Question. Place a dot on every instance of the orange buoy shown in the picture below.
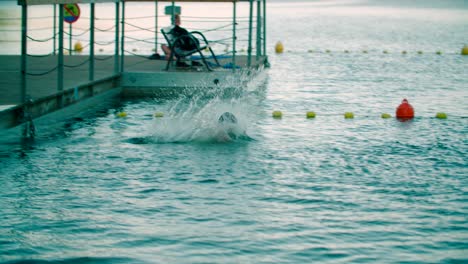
(404, 110)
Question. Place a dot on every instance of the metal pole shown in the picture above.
(70, 40)
(122, 38)
(55, 28)
(24, 41)
(173, 13)
(234, 36)
(264, 28)
(116, 52)
(249, 49)
(156, 27)
(91, 42)
(259, 31)
(60, 56)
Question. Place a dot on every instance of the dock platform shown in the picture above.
(141, 77)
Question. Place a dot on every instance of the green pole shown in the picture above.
(24, 42)
(156, 26)
(70, 40)
(116, 52)
(60, 56)
(122, 61)
(91, 41)
(173, 13)
(249, 49)
(234, 36)
(264, 28)
(55, 28)
(259, 31)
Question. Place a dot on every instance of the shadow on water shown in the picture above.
(49, 130)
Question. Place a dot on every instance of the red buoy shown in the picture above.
(405, 110)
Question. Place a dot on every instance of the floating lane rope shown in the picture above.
(385, 116)
(277, 114)
(441, 115)
(159, 114)
(464, 50)
(349, 115)
(279, 48)
(310, 114)
(121, 114)
(401, 114)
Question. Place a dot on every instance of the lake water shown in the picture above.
(142, 189)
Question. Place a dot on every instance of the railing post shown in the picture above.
(249, 49)
(24, 42)
(91, 42)
(156, 11)
(122, 61)
(55, 28)
(117, 29)
(264, 28)
(234, 36)
(60, 57)
(259, 31)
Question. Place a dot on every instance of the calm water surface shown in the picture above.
(326, 190)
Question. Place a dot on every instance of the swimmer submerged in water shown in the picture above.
(229, 127)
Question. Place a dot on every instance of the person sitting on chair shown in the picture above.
(186, 42)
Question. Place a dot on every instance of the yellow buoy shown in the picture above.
(348, 115)
(441, 115)
(78, 47)
(158, 114)
(385, 115)
(464, 50)
(279, 48)
(277, 114)
(121, 114)
(310, 114)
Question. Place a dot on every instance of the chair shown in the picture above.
(175, 44)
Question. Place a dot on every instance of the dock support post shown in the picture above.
(234, 36)
(60, 58)
(24, 42)
(123, 38)
(91, 42)
(249, 49)
(117, 29)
